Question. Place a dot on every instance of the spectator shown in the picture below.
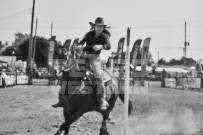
(154, 70)
(3, 77)
(163, 78)
(176, 78)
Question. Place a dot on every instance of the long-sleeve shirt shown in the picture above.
(91, 40)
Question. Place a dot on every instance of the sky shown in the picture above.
(162, 20)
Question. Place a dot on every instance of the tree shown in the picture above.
(173, 62)
(41, 51)
(183, 61)
(189, 61)
(1, 45)
(8, 51)
(162, 62)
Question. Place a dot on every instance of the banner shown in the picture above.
(191, 83)
(145, 50)
(51, 50)
(134, 52)
(75, 42)
(67, 43)
(13, 79)
(170, 82)
(40, 81)
(145, 55)
(22, 79)
(8, 80)
(120, 49)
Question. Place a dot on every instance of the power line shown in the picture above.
(15, 14)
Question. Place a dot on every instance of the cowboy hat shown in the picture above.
(98, 21)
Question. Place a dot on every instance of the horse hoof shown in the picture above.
(58, 132)
(107, 133)
(110, 121)
(103, 132)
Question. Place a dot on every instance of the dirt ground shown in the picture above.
(26, 110)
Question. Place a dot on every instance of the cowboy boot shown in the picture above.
(101, 95)
(59, 104)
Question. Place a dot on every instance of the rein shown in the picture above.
(70, 67)
(75, 52)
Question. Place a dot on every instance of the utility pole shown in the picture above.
(30, 47)
(158, 58)
(35, 40)
(51, 28)
(185, 43)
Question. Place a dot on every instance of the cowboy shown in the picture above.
(96, 39)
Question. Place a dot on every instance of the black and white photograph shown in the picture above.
(101, 67)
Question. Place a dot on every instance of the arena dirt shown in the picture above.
(26, 110)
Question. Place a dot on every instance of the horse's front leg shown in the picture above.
(61, 129)
(64, 127)
(67, 130)
(103, 129)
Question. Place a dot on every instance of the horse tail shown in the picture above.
(121, 89)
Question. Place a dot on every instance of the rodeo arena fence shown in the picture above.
(187, 83)
(184, 83)
(11, 80)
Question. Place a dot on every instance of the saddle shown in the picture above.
(105, 76)
(89, 76)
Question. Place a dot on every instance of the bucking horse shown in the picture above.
(81, 95)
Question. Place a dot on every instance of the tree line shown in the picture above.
(42, 46)
(41, 53)
(182, 61)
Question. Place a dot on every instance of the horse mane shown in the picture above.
(76, 69)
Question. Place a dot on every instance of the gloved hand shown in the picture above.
(98, 47)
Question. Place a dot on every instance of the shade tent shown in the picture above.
(171, 70)
(160, 69)
(8, 59)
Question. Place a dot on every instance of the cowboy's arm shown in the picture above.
(106, 45)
